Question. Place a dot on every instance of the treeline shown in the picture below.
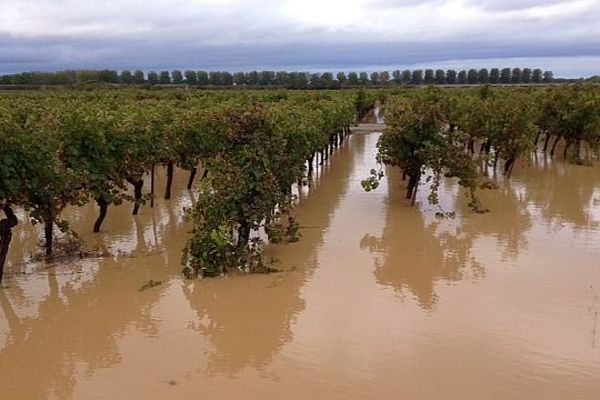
(292, 80)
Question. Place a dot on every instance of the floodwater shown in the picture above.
(378, 300)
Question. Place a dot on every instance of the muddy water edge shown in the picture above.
(377, 300)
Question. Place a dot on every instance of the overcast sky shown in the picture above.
(562, 35)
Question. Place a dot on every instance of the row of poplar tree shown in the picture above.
(296, 80)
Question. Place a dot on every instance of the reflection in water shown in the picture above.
(62, 319)
(563, 193)
(377, 300)
(246, 321)
(416, 250)
(72, 328)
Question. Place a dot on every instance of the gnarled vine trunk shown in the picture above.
(138, 185)
(537, 138)
(566, 150)
(103, 204)
(509, 165)
(243, 235)
(548, 136)
(49, 235)
(6, 226)
(554, 146)
(193, 172)
(413, 183)
(169, 180)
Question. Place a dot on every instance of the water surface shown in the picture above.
(378, 299)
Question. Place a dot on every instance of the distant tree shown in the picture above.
(164, 77)
(548, 76)
(68, 77)
(315, 81)
(303, 79)
(126, 77)
(342, 78)
(226, 78)
(43, 78)
(516, 75)
(406, 76)
(327, 79)
(267, 78)
(483, 76)
(526, 76)
(396, 74)
(191, 77)
(108, 76)
(282, 78)
(202, 78)
(440, 76)
(353, 78)
(152, 78)
(417, 77)
(505, 76)
(375, 80)
(363, 78)
(384, 77)
(252, 78)
(472, 76)
(536, 76)
(451, 76)
(18, 79)
(177, 77)
(22, 78)
(32, 78)
(461, 78)
(298, 80)
(138, 77)
(87, 76)
(40, 78)
(429, 77)
(239, 78)
(494, 75)
(215, 78)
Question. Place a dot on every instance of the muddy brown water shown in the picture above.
(378, 299)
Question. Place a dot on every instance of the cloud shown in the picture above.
(511, 5)
(246, 34)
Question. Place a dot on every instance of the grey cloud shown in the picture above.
(512, 5)
(250, 34)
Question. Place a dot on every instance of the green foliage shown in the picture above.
(67, 148)
(419, 141)
(573, 113)
(259, 152)
(372, 182)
